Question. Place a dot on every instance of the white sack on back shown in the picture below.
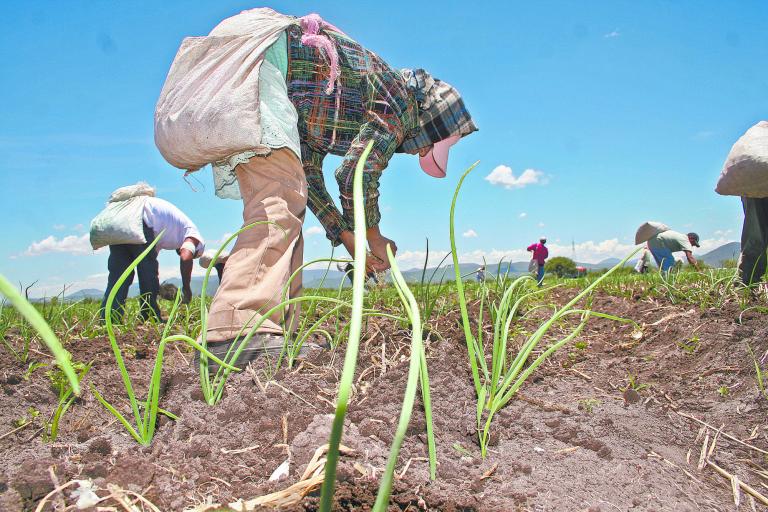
(121, 222)
(209, 106)
(648, 230)
(125, 193)
(207, 257)
(745, 172)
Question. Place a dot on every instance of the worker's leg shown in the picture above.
(540, 275)
(148, 271)
(220, 270)
(664, 258)
(754, 240)
(119, 260)
(294, 310)
(273, 188)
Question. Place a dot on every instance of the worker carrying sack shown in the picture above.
(648, 230)
(745, 172)
(122, 221)
(209, 106)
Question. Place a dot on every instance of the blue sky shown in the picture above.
(623, 112)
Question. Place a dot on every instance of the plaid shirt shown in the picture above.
(374, 103)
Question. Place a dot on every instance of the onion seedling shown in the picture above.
(144, 428)
(213, 388)
(496, 384)
(426, 298)
(66, 397)
(355, 327)
(34, 318)
(417, 371)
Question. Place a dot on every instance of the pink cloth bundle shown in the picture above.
(311, 24)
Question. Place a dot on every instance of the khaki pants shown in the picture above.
(273, 188)
(754, 240)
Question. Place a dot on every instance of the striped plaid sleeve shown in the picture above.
(318, 199)
(385, 143)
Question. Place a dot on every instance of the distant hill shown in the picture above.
(716, 257)
(87, 293)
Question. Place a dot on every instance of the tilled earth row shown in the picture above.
(578, 437)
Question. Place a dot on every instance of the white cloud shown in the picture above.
(70, 244)
(723, 232)
(612, 34)
(523, 215)
(59, 227)
(470, 233)
(314, 230)
(503, 176)
(540, 224)
(409, 260)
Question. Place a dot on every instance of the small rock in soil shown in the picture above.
(631, 396)
(97, 470)
(477, 484)
(33, 481)
(100, 445)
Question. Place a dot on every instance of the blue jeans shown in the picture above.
(664, 258)
(120, 258)
(540, 274)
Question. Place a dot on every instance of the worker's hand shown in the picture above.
(372, 262)
(378, 245)
(186, 296)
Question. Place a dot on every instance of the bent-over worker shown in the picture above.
(323, 93)
(181, 235)
(663, 245)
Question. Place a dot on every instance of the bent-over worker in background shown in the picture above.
(664, 244)
(181, 235)
(644, 262)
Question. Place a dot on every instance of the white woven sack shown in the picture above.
(125, 193)
(209, 106)
(207, 257)
(648, 230)
(745, 172)
(121, 222)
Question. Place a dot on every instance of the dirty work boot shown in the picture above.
(260, 344)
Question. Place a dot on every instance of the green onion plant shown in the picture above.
(353, 342)
(65, 394)
(143, 429)
(496, 383)
(34, 318)
(417, 371)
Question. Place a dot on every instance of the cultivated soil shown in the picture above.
(573, 439)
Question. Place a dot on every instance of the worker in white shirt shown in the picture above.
(181, 235)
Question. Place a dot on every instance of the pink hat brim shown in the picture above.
(435, 162)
